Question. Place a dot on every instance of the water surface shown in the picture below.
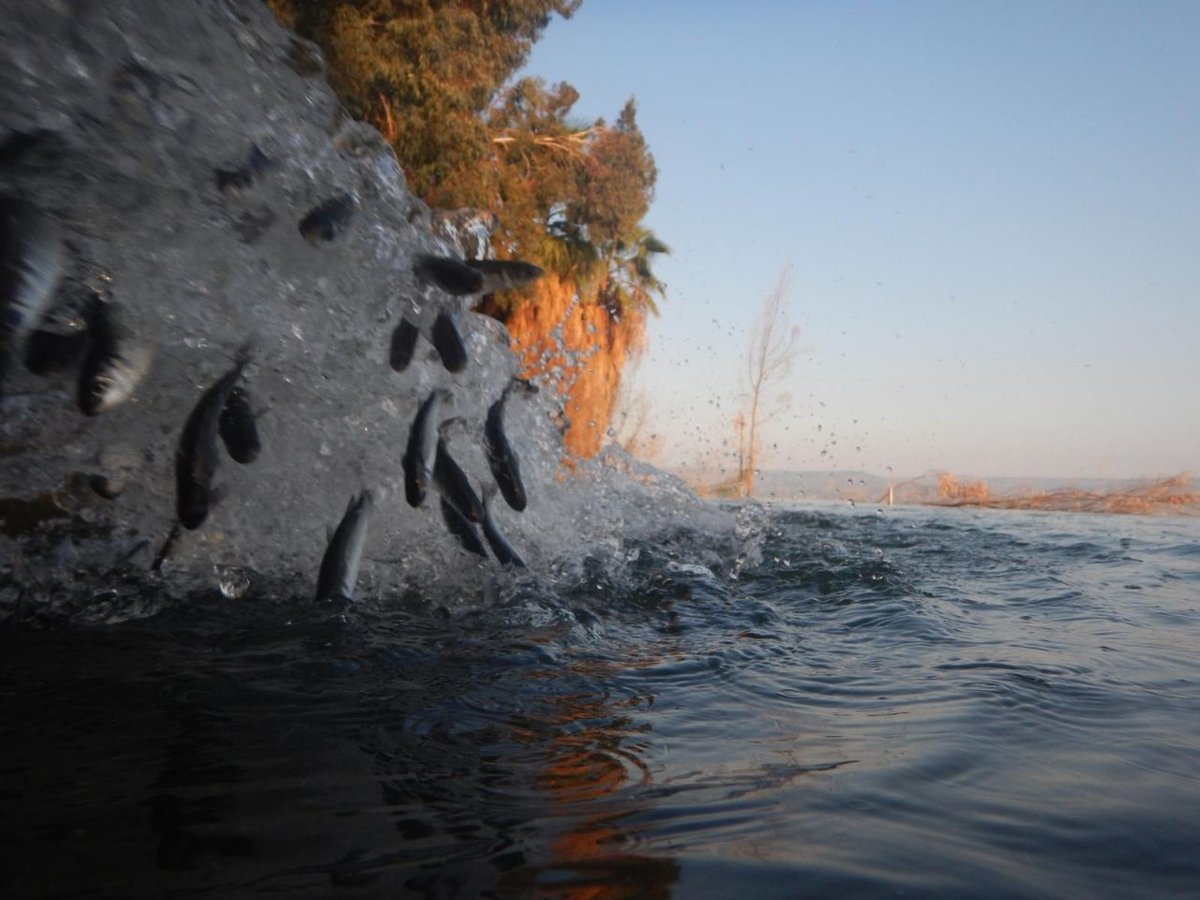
(932, 703)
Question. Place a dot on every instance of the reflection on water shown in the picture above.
(591, 747)
(918, 702)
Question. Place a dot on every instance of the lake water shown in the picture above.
(891, 702)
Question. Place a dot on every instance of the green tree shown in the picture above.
(570, 195)
(430, 75)
(629, 279)
(423, 71)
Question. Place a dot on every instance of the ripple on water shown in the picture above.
(969, 718)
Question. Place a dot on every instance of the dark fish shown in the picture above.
(339, 565)
(196, 457)
(421, 452)
(116, 360)
(501, 549)
(505, 274)
(232, 181)
(459, 526)
(501, 457)
(238, 429)
(449, 343)
(48, 352)
(329, 219)
(31, 264)
(452, 482)
(404, 342)
(450, 275)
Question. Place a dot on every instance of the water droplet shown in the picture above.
(232, 581)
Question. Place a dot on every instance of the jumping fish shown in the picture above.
(459, 526)
(328, 220)
(501, 457)
(404, 342)
(196, 457)
(31, 264)
(447, 340)
(450, 275)
(339, 565)
(232, 181)
(452, 482)
(116, 360)
(505, 274)
(237, 427)
(421, 452)
(501, 549)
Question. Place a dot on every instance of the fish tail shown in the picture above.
(246, 351)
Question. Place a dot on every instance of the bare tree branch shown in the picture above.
(768, 362)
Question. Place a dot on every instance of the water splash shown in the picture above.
(142, 133)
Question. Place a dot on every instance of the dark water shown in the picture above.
(918, 702)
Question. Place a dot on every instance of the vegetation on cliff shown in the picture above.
(433, 77)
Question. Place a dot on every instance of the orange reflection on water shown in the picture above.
(592, 755)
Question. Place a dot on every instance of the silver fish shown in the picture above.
(501, 549)
(115, 363)
(404, 342)
(459, 526)
(339, 565)
(421, 452)
(505, 274)
(502, 458)
(31, 265)
(196, 456)
(451, 275)
(452, 482)
(448, 341)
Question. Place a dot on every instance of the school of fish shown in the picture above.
(57, 312)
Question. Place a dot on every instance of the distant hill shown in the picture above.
(863, 487)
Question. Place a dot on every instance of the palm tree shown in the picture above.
(630, 282)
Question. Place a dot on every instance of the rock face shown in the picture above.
(203, 177)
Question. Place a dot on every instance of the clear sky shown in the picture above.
(992, 210)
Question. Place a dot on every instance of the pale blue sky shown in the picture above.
(992, 209)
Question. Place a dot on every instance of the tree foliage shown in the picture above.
(432, 76)
(423, 70)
